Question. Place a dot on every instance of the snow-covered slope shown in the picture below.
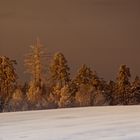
(92, 123)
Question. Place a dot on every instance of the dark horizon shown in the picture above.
(100, 33)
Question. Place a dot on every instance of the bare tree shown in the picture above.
(35, 66)
(34, 61)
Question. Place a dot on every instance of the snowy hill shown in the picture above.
(92, 123)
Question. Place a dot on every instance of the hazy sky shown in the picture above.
(100, 33)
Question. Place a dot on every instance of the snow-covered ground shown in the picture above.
(92, 123)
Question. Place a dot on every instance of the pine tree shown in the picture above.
(84, 81)
(35, 97)
(101, 92)
(84, 95)
(60, 78)
(84, 76)
(136, 83)
(91, 88)
(111, 92)
(59, 70)
(122, 91)
(135, 91)
(35, 66)
(17, 102)
(67, 98)
(8, 78)
(34, 61)
(54, 96)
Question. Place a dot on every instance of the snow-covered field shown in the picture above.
(92, 123)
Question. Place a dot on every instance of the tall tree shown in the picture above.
(36, 97)
(8, 78)
(84, 81)
(122, 91)
(91, 88)
(34, 61)
(60, 80)
(59, 70)
(101, 91)
(35, 66)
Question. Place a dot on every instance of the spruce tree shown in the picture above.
(59, 70)
(111, 92)
(84, 95)
(8, 78)
(101, 91)
(60, 79)
(135, 91)
(122, 91)
(17, 101)
(67, 99)
(54, 96)
(136, 83)
(84, 76)
(84, 80)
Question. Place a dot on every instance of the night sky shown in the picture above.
(100, 33)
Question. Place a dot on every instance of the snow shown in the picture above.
(89, 123)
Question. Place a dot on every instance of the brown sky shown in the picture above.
(101, 33)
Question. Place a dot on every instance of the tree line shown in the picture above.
(51, 85)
